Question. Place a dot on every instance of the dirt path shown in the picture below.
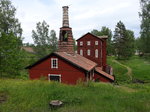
(129, 73)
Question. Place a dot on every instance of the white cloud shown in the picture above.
(84, 15)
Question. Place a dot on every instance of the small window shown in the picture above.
(81, 52)
(88, 43)
(88, 52)
(54, 77)
(81, 43)
(96, 53)
(96, 42)
(54, 63)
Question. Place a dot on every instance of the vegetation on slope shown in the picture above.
(34, 96)
(139, 69)
(120, 72)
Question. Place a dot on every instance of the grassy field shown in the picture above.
(119, 71)
(18, 95)
(140, 69)
(34, 96)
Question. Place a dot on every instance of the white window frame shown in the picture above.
(96, 42)
(54, 75)
(88, 52)
(96, 53)
(52, 66)
(88, 42)
(81, 43)
(81, 52)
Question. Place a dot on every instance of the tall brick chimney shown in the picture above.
(65, 16)
(66, 42)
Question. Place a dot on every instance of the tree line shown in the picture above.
(143, 42)
(122, 43)
(13, 59)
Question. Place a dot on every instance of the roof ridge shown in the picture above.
(78, 60)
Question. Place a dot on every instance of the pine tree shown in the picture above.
(123, 41)
(95, 32)
(130, 43)
(145, 25)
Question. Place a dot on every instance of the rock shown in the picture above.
(55, 104)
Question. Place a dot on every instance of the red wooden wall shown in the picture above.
(69, 73)
(101, 60)
(100, 78)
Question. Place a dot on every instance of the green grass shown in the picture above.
(118, 71)
(140, 69)
(34, 96)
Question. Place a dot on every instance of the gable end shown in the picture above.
(91, 35)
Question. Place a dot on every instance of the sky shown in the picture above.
(84, 15)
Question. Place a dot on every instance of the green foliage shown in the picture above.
(45, 43)
(27, 96)
(28, 44)
(24, 74)
(95, 32)
(10, 41)
(138, 44)
(145, 26)
(119, 71)
(131, 43)
(82, 83)
(140, 68)
(8, 22)
(123, 41)
(53, 41)
(11, 61)
(41, 39)
(105, 31)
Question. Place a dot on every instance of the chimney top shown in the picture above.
(65, 16)
(65, 7)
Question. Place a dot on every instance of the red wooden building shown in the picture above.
(94, 48)
(66, 66)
